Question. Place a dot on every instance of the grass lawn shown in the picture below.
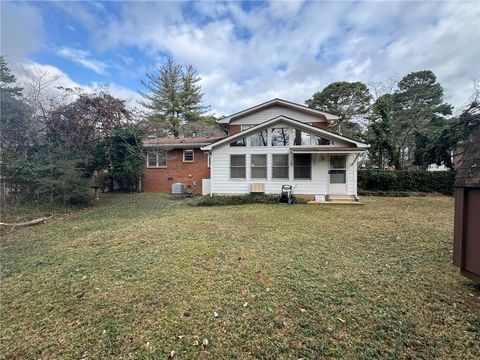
(143, 275)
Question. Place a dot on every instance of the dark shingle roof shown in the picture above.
(198, 140)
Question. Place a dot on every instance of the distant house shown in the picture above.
(268, 145)
(466, 246)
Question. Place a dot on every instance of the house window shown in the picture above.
(338, 169)
(188, 155)
(237, 167)
(301, 138)
(259, 166)
(239, 142)
(322, 141)
(280, 136)
(156, 158)
(302, 166)
(280, 166)
(259, 139)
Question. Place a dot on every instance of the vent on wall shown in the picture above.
(257, 188)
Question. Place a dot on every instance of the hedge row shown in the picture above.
(417, 181)
(219, 200)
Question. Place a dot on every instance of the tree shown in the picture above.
(418, 109)
(173, 98)
(127, 159)
(379, 133)
(442, 144)
(7, 79)
(349, 100)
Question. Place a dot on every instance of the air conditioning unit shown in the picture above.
(257, 188)
(178, 189)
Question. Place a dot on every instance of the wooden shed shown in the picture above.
(466, 243)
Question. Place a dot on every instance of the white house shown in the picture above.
(280, 142)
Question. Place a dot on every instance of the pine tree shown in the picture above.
(173, 98)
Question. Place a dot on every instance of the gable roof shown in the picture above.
(297, 124)
(181, 142)
(278, 102)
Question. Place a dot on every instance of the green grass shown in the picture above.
(332, 282)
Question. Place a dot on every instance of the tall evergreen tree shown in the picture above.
(379, 133)
(173, 98)
(349, 100)
(418, 109)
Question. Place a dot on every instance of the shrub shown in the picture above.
(407, 181)
(390, 193)
(222, 200)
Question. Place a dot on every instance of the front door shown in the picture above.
(338, 175)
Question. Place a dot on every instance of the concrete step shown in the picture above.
(342, 198)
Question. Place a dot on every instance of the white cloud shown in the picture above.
(83, 58)
(21, 30)
(285, 49)
(30, 69)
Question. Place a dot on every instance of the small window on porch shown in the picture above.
(259, 166)
(302, 166)
(322, 141)
(280, 137)
(237, 167)
(259, 139)
(280, 166)
(301, 138)
(239, 142)
(338, 169)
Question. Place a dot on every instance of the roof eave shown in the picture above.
(290, 104)
(287, 119)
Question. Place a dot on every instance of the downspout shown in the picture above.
(210, 154)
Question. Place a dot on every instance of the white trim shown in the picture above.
(177, 145)
(244, 166)
(276, 101)
(266, 167)
(193, 156)
(294, 123)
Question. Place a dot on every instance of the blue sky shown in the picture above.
(246, 52)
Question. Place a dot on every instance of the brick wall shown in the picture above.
(161, 179)
(233, 129)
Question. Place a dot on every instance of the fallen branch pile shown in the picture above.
(28, 223)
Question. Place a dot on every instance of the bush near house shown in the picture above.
(407, 181)
(219, 200)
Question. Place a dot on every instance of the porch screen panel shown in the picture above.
(302, 166)
(338, 169)
(259, 166)
(237, 166)
(280, 166)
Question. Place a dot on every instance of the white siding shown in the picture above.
(274, 111)
(222, 184)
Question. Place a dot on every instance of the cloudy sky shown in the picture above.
(247, 52)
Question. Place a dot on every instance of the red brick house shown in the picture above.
(176, 160)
